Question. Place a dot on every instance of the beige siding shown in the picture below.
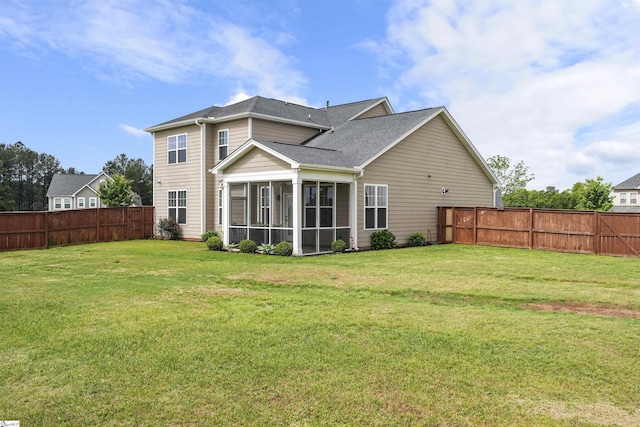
(257, 161)
(264, 130)
(376, 111)
(416, 170)
(179, 176)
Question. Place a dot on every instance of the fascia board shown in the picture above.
(310, 166)
(397, 141)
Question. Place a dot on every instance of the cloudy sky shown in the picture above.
(553, 83)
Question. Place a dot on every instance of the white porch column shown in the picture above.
(226, 205)
(353, 211)
(297, 214)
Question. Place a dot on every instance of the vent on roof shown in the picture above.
(327, 105)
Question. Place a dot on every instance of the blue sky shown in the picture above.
(553, 83)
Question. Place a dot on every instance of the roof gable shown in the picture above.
(69, 184)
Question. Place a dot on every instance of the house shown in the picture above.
(78, 191)
(270, 170)
(75, 191)
(626, 195)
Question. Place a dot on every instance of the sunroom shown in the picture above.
(269, 197)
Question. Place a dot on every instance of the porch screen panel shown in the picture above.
(324, 242)
(238, 206)
(310, 203)
(326, 205)
(309, 241)
(342, 205)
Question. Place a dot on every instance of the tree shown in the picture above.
(511, 177)
(116, 192)
(137, 172)
(595, 195)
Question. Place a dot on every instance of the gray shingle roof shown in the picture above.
(626, 209)
(310, 155)
(321, 117)
(630, 184)
(67, 185)
(361, 139)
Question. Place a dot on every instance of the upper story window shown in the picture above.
(633, 198)
(375, 206)
(623, 198)
(177, 148)
(223, 144)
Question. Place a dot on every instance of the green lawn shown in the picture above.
(168, 333)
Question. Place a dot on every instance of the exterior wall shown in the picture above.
(416, 170)
(86, 193)
(281, 132)
(376, 111)
(179, 176)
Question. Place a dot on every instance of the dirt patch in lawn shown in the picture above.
(600, 413)
(594, 310)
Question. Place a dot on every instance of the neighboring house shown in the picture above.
(626, 195)
(270, 171)
(77, 191)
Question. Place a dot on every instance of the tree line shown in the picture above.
(592, 194)
(25, 176)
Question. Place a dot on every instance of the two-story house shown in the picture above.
(271, 170)
(626, 195)
(75, 191)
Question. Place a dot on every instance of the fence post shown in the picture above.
(530, 228)
(596, 233)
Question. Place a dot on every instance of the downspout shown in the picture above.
(203, 179)
(354, 210)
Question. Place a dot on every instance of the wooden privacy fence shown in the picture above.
(589, 232)
(32, 230)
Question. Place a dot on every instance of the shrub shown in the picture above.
(168, 228)
(265, 249)
(283, 248)
(214, 243)
(210, 233)
(247, 246)
(338, 246)
(417, 239)
(383, 239)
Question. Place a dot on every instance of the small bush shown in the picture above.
(265, 249)
(338, 246)
(214, 243)
(168, 228)
(247, 246)
(417, 239)
(283, 248)
(383, 239)
(211, 233)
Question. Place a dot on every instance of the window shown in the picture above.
(177, 202)
(223, 144)
(310, 203)
(220, 207)
(264, 204)
(177, 148)
(623, 198)
(93, 202)
(375, 206)
(633, 198)
(81, 202)
(57, 203)
(326, 205)
(67, 202)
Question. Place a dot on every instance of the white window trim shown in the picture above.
(64, 203)
(186, 144)
(220, 206)
(226, 144)
(57, 203)
(186, 211)
(93, 202)
(376, 207)
(81, 202)
(633, 198)
(623, 200)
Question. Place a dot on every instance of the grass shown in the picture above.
(161, 332)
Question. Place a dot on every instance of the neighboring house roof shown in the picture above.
(632, 183)
(269, 108)
(69, 184)
(626, 209)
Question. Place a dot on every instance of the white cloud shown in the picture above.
(133, 130)
(523, 77)
(169, 41)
